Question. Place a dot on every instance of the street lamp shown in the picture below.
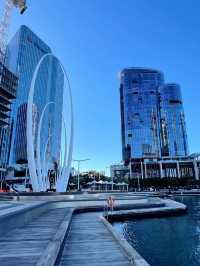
(78, 163)
(108, 167)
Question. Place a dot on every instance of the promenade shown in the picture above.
(66, 230)
(26, 244)
(90, 243)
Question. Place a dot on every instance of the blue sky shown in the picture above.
(95, 39)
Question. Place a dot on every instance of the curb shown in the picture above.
(50, 255)
(134, 257)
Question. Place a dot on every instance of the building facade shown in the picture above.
(119, 171)
(152, 116)
(24, 53)
(172, 122)
(8, 84)
(153, 128)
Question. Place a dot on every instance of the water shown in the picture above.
(173, 241)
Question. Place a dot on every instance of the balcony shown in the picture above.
(8, 83)
(3, 123)
(4, 107)
(3, 115)
(4, 100)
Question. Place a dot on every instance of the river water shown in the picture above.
(173, 241)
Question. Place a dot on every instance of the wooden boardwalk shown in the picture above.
(24, 246)
(90, 243)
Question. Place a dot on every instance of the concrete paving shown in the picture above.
(83, 196)
(170, 208)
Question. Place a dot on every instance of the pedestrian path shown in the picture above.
(90, 243)
(24, 246)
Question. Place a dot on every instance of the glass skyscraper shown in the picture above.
(152, 116)
(172, 121)
(24, 52)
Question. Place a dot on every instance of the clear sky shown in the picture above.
(95, 39)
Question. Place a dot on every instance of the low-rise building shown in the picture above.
(119, 171)
(166, 167)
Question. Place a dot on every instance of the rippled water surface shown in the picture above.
(173, 241)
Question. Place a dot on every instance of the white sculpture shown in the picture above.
(38, 179)
(44, 169)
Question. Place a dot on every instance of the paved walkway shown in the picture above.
(24, 246)
(90, 243)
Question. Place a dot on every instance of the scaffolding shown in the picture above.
(5, 23)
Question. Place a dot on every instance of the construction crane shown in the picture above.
(5, 22)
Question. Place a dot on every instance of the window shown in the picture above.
(175, 101)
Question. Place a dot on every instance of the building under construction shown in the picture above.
(154, 137)
(8, 83)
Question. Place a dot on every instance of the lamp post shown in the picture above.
(108, 167)
(138, 177)
(78, 163)
(130, 169)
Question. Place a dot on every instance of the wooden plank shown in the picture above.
(25, 245)
(90, 243)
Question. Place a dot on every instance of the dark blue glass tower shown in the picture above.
(173, 129)
(152, 116)
(24, 52)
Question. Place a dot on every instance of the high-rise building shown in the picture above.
(172, 121)
(152, 116)
(24, 52)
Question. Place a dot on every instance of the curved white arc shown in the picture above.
(62, 169)
(65, 176)
(65, 155)
(39, 168)
(45, 181)
(29, 133)
(70, 144)
(44, 171)
(35, 179)
(72, 132)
